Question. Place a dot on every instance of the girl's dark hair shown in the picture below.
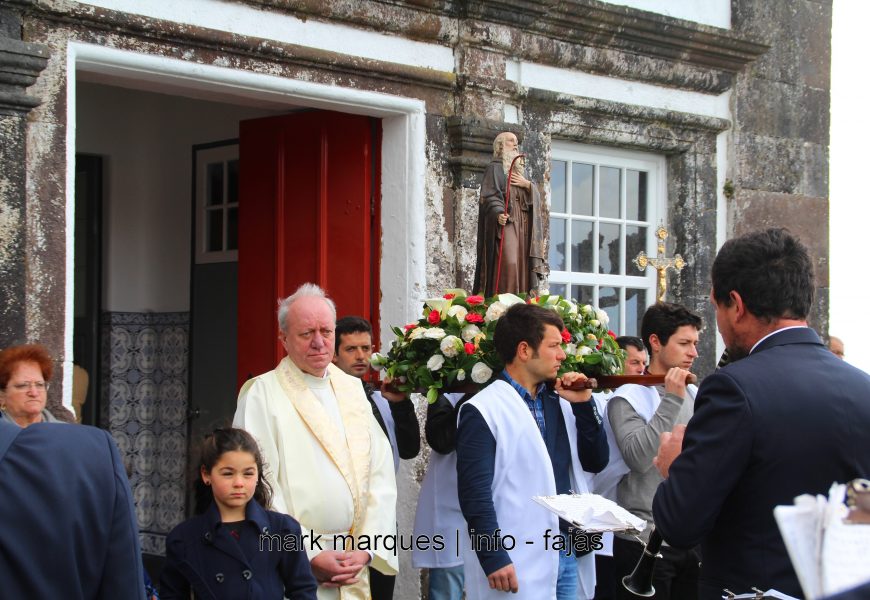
(215, 445)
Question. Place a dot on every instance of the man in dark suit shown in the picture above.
(67, 520)
(785, 418)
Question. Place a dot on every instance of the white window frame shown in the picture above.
(601, 156)
(205, 156)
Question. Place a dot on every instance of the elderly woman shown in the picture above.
(24, 374)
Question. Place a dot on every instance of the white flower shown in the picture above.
(460, 375)
(378, 361)
(457, 311)
(584, 350)
(435, 333)
(602, 316)
(480, 373)
(595, 323)
(451, 346)
(416, 332)
(571, 349)
(435, 362)
(510, 299)
(587, 309)
(494, 312)
(439, 304)
(591, 336)
(469, 332)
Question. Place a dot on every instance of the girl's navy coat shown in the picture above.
(202, 556)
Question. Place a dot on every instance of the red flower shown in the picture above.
(434, 317)
(449, 296)
(473, 318)
(599, 344)
(566, 336)
(611, 334)
(472, 300)
(410, 326)
(469, 348)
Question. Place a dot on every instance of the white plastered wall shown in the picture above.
(707, 12)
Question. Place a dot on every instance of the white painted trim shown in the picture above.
(716, 13)
(248, 21)
(69, 235)
(403, 164)
(602, 87)
(723, 160)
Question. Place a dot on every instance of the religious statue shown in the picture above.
(510, 237)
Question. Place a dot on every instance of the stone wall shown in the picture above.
(781, 129)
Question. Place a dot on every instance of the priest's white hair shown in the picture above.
(306, 289)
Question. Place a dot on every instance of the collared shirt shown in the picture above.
(536, 404)
(775, 332)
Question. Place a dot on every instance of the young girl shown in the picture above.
(220, 554)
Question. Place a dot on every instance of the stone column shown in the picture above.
(20, 64)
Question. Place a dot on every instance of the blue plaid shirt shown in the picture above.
(536, 404)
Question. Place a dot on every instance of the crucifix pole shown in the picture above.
(660, 263)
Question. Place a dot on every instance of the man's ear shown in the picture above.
(524, 351)
(655, 343)
(737, 304)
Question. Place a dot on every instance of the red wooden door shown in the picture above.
(308, 212)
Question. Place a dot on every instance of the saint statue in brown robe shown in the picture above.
(523, 263)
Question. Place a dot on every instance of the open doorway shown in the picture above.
(118, 112)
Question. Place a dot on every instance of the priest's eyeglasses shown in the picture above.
(39, 386)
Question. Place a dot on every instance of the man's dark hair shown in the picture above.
(352, 324)
(663, 319)
(624, 341)
(522, 323)
(772, 272)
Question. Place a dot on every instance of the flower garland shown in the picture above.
(452, 343)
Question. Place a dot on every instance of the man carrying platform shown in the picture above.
(638, 415)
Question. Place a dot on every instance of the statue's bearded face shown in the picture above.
(507, 158)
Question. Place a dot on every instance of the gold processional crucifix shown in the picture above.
(660, 263)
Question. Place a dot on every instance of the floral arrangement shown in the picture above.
(451, 345)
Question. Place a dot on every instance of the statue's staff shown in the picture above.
(507, 199)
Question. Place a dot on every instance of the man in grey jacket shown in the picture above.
(638, 415)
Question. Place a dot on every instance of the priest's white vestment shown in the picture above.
(335, 478)
(523, 469)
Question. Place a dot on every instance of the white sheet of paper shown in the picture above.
(591, 512)
(800, 528)
(845, 552)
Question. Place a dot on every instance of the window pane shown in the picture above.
(608, 193)
(233, 229)
(583, 294)
(635, 195)
(557, 244)
(581, 189)
(557, 289)
(608, 301)
(214, 233)
(581, 247)
(635, 306)
(214, 184)
(557, 186)
(635, 242)
(608, 254)
(232, 181)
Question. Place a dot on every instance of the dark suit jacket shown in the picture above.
(202, 556)
(66, 516)
(789, 419)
